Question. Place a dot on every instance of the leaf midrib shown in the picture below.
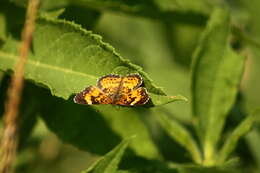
(48, 66)
(213, 97)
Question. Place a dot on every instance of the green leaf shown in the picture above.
(140, 165)
(128, 122)
(253, 83)
(161, 100)
(146, 7)
(202, 169)
(10, 17)
(232, 140)
(125, 171)
(67, 58)
(2, 26)
(177, 10)
(253, 140)
(53, 14)
(75, 124)
(181, 135)
(152, 53)
(109, 163)
(1, 76)
(199, 6)
(215, 78)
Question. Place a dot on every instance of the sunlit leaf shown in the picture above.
(66, 58)
(216, 75)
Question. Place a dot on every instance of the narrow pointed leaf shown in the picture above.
(232, 140)
(216, 75)
(181, 135)
(253, 141)
(109, 163)
(161, 100)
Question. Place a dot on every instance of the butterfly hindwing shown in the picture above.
(137, 96)
(92, 95)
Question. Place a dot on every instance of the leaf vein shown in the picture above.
(48, 66)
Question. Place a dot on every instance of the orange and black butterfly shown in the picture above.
(116, 90)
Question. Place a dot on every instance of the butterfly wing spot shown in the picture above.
(141, 96)
(92, 95)
(131, 82)
(138, 96)
(109, 84)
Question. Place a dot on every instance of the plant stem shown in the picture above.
(10, 138)
(209, 154)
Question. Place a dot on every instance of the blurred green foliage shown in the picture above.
(207, 51)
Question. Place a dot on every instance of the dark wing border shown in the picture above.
(80, 97)
(109, 75)
(138, 76)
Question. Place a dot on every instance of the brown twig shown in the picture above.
(10, 137)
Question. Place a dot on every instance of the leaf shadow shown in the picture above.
(80, 125)
(169, 148)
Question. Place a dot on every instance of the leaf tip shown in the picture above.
(179, 98)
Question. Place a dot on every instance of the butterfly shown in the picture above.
(115, 90)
